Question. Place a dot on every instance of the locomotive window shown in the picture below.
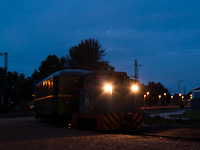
(118, 80)
(77, 82)
(51, 90)
(102, 79)
(41, 90)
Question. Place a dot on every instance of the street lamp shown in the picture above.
(172, 99)
(190, 96)
(183, 102)
(144, 101)
(180, 99)
(159, 96)
(165, 94)
(147, 99)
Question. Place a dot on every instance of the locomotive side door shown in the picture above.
(85, 96)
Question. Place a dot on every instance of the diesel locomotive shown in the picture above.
(104, 100)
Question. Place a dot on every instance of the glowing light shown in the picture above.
(145, 96)
(108, 88)
(190, 96)
(134, 88)
(172, 97)
(179, 94)
(147, 93)
(159, 96)
(165, 94)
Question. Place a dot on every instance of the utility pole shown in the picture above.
(6, 68)
(184, 90)
(136, 71)
(6, 62)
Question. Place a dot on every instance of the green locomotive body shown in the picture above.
(85, 97)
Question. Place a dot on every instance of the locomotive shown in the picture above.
(103, 100)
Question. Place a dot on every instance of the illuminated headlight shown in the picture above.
(108, 88)
(134, 88)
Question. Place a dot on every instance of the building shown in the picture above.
(1, 98)
(195, 102)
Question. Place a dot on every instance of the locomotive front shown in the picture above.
(108, 92)
(111, 99)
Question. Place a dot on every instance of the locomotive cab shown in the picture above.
(107, 92)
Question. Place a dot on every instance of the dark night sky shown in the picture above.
(163, 35)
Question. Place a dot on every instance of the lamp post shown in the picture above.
(165, 94)
(180, 98)
(147, 99)
(172, 99)
(182, 101)
(144, 101)
(159, 96)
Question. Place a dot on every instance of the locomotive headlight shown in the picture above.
(108, 88)
(134, 88)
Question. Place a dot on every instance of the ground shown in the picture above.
(29, 133)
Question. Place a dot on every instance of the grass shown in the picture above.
(193, 115)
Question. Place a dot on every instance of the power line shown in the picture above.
(127, 67)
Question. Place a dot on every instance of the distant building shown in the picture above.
(1, 98)
(195, 103)
(196, 93)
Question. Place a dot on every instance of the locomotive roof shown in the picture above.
(110, 73)
(66, 72)
(70, 72)
(79, 72)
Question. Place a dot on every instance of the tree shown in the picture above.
(63, 62)
(88, 55)
(156, 89)
(18, 90)
(36, 77)
(47, 67)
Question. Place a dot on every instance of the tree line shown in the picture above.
(88, 55)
